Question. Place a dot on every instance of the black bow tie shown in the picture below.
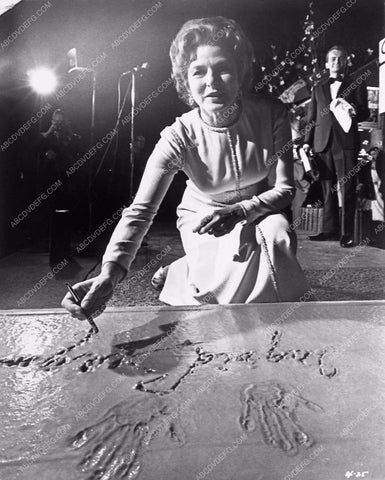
(339, 78)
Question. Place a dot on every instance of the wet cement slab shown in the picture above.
(248, 392)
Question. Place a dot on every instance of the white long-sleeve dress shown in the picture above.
(256, 261)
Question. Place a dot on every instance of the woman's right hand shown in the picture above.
(221, 221)
(94, 294)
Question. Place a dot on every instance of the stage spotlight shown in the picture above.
(42, 80)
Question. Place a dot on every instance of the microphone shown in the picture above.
(80, 69)
(138, 68)
(72, 58)
(73, 62)
(144, 66)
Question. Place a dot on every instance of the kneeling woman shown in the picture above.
(235, 149)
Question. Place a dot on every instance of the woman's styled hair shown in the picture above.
(216, 31)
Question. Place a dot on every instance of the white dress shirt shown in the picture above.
(334, 87)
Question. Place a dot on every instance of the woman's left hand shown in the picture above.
(221, 221)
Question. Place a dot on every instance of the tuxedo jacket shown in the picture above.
(323, 122)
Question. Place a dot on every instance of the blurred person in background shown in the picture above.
(57, 150)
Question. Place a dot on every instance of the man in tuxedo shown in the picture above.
(337, 104)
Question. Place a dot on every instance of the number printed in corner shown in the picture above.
(352, 473)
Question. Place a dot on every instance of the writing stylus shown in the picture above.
(78, 302)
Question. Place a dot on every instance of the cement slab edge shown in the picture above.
(193, 308)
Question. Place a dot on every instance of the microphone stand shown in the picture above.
(92, 134)
(132, 153)
(92, 140)
(116, 129)
(132, 132)
(92, 71)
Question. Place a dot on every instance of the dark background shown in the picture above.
(91, 26)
